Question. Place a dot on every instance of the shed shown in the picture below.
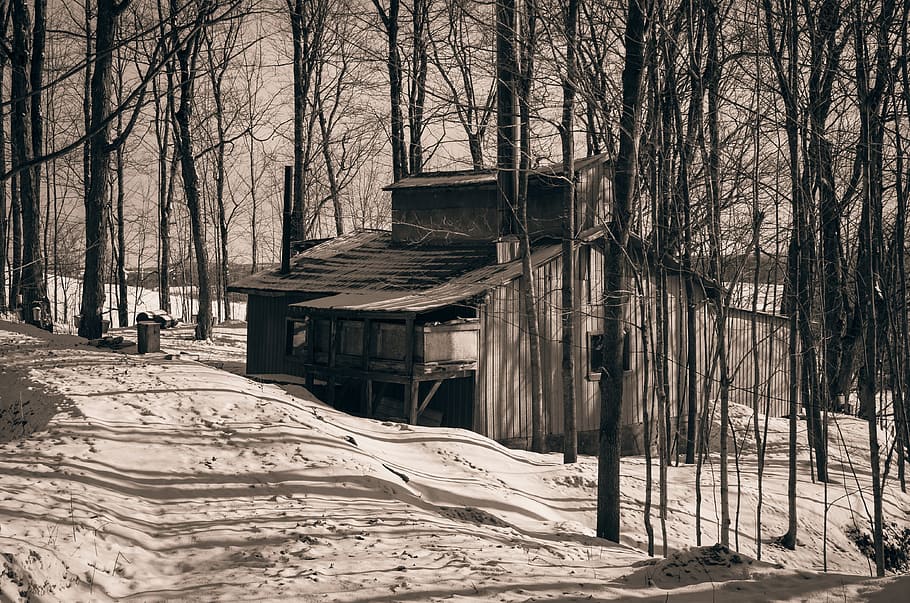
(424, 323)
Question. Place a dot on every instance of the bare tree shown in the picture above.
(22, 123)
(100, 147)
(4, 217)
(187, 52)
(870, 265)
(567, 132)
(636, 34)
(219, 59)
(459, 52)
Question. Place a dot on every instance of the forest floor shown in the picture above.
(164, 477)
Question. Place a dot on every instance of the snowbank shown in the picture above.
(171, 479)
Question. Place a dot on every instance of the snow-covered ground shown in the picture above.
(163, 478)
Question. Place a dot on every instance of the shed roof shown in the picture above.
(369, 261)
(454, 291)
(484, 177)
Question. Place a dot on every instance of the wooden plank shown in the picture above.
(366, 400)
(410, 395)
(429, 397)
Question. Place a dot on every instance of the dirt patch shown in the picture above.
(27, 406)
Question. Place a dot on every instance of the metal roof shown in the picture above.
(486, 176)
(452, 292)
(369, 261)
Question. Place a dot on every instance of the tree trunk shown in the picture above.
(97, 195)
(569, 305)
(4, 217)
(393, 65)
(32, 283)
(123, 308)
(187, 54)
(224, 262)
(528, 285)
(712, 79)
(611, 381)
(418, 86)
(15, 278)
(166, 173)
(330, 170)
(869, 269)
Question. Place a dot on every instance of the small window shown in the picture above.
(322, 340)
(596, 353)
(297, 338)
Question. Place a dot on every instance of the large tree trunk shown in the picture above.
(611, 381)
(32, 283)
(870, 266)
(97, 194)
(417, 91)
(15, 277)
(569, 304)
(123, 307)
(4, 218)
(528, 285)
(166, 172)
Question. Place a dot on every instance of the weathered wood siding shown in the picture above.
(502, 396)
(266, 333)
(770, 355)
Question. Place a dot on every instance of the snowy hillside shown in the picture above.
(65, 295)
(166, 478)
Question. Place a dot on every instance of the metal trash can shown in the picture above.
(148, 336)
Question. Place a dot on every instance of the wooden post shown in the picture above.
(310, 353)
(286, 222)
(410, 388)
(411, 395)
(334, 338)
(366, 402)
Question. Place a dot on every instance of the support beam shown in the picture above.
(366, 395)
(366, 402)
(429, 397)
(410, 396)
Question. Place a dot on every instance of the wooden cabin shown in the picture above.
(424, 323)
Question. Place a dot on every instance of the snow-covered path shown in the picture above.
(169, 479)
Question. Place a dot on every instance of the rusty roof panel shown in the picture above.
(369, 261)
(453, 291)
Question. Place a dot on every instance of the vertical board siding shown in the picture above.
(266, 333)
(503, 401)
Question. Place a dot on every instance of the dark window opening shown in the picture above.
(296, 338)
(596, 353)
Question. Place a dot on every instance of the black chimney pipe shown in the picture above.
(286, 221)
